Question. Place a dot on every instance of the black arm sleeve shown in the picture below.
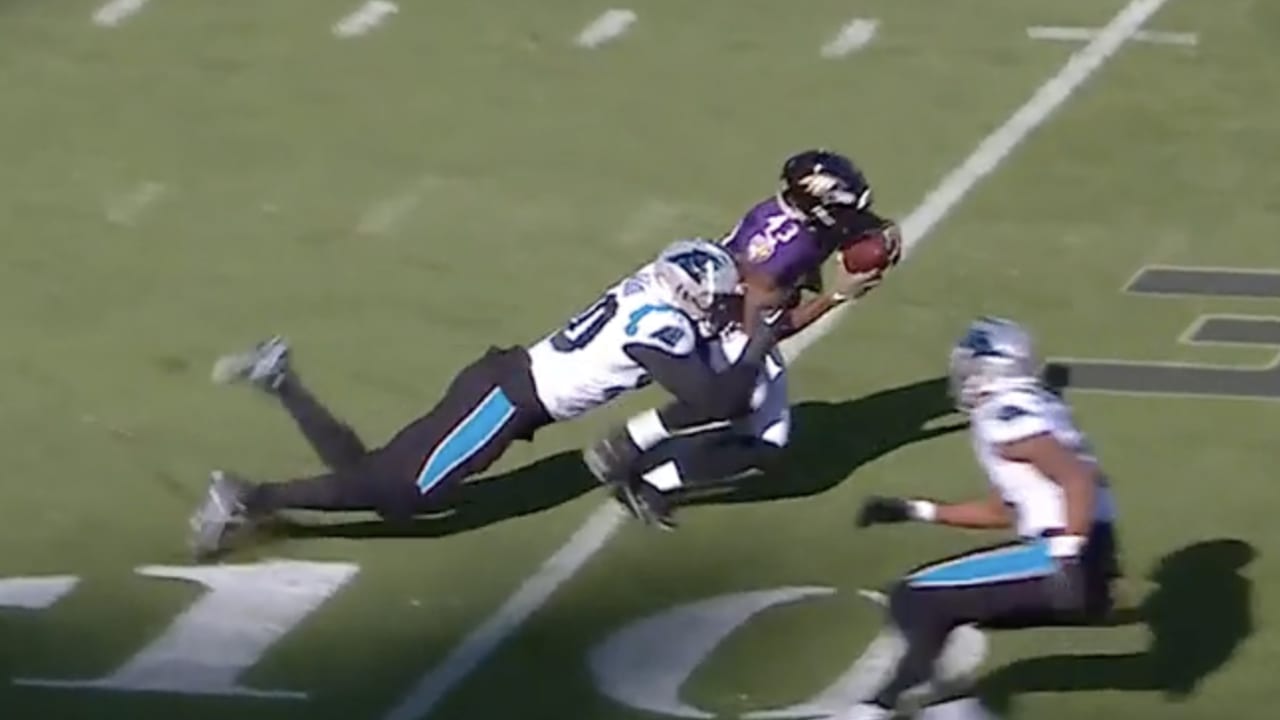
(704, 394)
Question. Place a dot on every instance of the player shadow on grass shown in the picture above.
(830, 440)
(1197, 616)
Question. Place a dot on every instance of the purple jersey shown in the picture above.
(774, 239)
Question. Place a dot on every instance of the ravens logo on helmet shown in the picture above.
(817, 182)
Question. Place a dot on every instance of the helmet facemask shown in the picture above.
(701, 279)
(995, 354)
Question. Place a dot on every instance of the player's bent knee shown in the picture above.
(389, 480)
(913, 608)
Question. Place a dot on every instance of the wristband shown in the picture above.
(923, 510)
(1066, 546)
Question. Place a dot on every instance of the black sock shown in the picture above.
(333, 440)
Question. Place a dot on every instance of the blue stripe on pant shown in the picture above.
(1023, 561)
(467, 438)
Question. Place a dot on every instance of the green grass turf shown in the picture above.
(465, 176)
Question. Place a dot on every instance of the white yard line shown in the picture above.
(855, 35)
(610, 25)
(365, 18)
(533, 594)
(1085, 34)
(999, 144)
(117, 11)
(604, 522)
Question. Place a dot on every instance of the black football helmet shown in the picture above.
(817, 182)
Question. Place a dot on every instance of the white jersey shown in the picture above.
(770, 418)
(583, 365)
(1018, 413)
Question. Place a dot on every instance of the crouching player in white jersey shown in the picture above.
(1045, 483)
(651, 326)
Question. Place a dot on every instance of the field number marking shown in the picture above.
(35, 593)
(644, 664)
(245, 610)
(1192, 379)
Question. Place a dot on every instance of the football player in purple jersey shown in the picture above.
(824, 202)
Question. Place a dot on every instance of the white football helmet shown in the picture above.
(994, 354)
(700, 278)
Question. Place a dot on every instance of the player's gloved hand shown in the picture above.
(883, 510)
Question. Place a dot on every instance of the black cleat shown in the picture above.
(646, 503)
(610, 458)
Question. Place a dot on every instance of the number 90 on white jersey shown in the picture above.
(583, 365)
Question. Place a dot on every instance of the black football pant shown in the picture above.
(488, 406)
(1009, 586)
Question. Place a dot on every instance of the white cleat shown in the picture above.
(266, 365)
(221, 513)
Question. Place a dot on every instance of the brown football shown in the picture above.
(865, 254)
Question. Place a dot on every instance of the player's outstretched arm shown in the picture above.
(989, 513)
(847, 287)
(712, 395)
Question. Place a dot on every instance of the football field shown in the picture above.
(397, 186)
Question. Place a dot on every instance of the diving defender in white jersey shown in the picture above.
(651, 326)
(1045, 483)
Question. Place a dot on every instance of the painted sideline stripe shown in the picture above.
(605, 521)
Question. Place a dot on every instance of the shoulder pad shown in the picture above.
(1009, 413)
(663, 327)
(1012, 416)
(633, 285)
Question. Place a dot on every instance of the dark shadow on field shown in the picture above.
(829, 440)
(1198, 616)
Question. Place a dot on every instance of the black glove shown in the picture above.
(879, 510)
